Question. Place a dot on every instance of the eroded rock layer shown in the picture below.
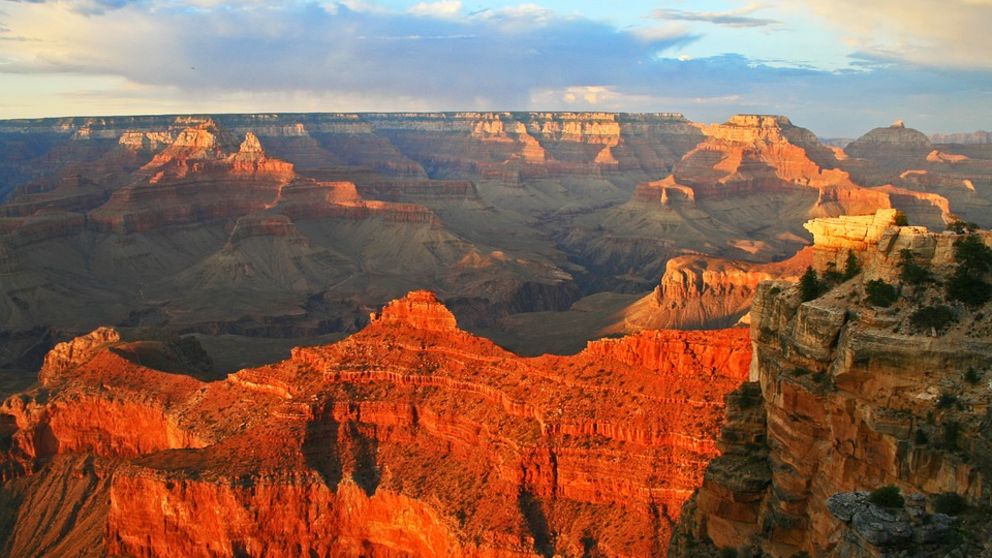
(409, 438)
(852, 393)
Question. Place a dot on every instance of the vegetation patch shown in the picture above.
(881, 293)
(935, 317)
(968, 284)
(972, 376)
(887, 497)
(810, 286)
(912, 273)
(950, 503)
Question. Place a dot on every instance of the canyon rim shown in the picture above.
(451, 278)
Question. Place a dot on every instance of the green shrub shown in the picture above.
(887, 497)
(935, 317)
(881, 293)
(952, 435)
(972, 254)
(972, 376)
(961, 227)
(810, 286)
(728, 553)
(920, 437)
(901, 220)
(964, 286)
(950, 503)
(833, 277)
(911, 272)
(801, 371)
(852, 266)
(946, 400)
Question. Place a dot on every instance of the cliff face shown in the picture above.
(851, 397)
(142, 221)
(411, 437)
(700, 292)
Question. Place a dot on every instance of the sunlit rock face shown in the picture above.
(848, 397)
(411, 437)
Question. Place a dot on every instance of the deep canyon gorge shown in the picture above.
(491, 334)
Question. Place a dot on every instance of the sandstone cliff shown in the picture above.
(849, 396)
(701, 292)
(409, 438)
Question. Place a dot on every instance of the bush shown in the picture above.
(920, 437)
(952, 434)
(887, 497)
(950, 503)
(810, 286)
(972, 376)
(911, 272)
(961, 227)
(964, 286)
(881, 293)
(935, 317)
(901, 220)
(728, 553)
(972, 254)
(852, 266)
(801, 371)
(946, 400)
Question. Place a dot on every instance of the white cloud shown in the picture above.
(442, 8)
(937, 33)
(740, 17)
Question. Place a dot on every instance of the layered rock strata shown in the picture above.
(854, 397)
(410, 438)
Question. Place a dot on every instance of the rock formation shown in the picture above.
(701, 292)
(850, 396)
(741, 193)
(411, 437)
(139, 221)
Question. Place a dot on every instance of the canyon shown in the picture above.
(847, 396)
(409, 438)
(481, 334)
(287, 229)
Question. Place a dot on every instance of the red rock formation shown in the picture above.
(851, 397)
(706, 292)
(755, 153)
(411, 437)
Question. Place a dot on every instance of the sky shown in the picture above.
(838, 67)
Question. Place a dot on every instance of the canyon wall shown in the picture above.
(848, 396)
(409, 438)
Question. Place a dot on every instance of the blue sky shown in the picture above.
(839, 67)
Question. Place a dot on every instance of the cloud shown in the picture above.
(86, 7)
(495, 57)
(356, 55)
(443, 8)
(929, 32)
(740, 17)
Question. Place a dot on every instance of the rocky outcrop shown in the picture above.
(71, 354)
(854, 397)
(876, 530)
(700, 292)
(411, 437)
(979, 137)
(883, 153)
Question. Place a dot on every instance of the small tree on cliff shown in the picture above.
(852, 266)
(810, 286)
(974, 260)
